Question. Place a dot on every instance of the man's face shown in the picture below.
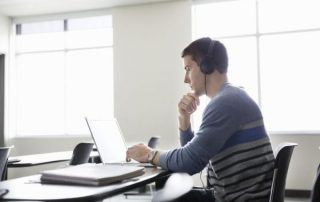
(194, 77)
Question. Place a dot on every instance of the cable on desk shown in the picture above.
(3, 192)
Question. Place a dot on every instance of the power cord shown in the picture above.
(3, 192)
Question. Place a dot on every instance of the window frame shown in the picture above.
(10, 129)
(257, 35)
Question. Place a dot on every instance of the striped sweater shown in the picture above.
(233, 143)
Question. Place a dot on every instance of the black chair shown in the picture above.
(4, 153)
(282, 160)
(81, 153)
(153, 142)
(315, 192)
(176, 186)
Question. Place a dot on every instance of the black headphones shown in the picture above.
(207, 64)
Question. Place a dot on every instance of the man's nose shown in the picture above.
(186, 79)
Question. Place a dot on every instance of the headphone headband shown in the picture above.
(207, 64)
(211, 45)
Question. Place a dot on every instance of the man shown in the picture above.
(231, 141)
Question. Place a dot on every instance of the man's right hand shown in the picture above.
(187, 105)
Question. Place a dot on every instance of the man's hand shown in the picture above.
(187, 105)
(139, 153)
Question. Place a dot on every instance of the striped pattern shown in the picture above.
(243, 169)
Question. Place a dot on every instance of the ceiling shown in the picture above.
(15, 8)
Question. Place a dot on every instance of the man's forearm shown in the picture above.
(184, 122)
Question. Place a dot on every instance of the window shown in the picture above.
(63, 72)
(272, 46)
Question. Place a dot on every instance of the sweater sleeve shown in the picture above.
(214, 131)
(186, 136)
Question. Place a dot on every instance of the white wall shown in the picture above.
(305, 159)
(148, 41)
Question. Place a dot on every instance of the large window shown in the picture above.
(63, 72)
(273, 48)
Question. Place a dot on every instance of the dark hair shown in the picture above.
(198, 49)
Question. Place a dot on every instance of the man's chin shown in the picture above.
(198, 93)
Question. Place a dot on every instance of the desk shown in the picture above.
(29, 188)
(39, 159)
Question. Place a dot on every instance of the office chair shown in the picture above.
(4, 153)
(176, 186)
(315, 192)
(81, 153)
(282, 160)
(153, 142)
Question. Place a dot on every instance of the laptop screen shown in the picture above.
(108, 139)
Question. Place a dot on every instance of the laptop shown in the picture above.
(110, 142)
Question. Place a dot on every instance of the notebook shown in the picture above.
(90, 174)
(110, 142)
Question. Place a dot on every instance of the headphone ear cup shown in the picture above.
(207, 66)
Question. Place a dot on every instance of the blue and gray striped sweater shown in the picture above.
(233, 143)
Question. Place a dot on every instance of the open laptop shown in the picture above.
(110, 142)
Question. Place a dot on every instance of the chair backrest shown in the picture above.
(176, 185)
(153, 142)
(315, 192)
(282, 161)
(4, 153)
(81, 153)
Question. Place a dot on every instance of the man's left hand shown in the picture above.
(139, 153)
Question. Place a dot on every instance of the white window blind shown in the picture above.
(63, 72)
(273, 48)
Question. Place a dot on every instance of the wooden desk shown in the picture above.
(29, 188)
(39, 159)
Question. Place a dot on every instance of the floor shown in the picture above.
(129, 199)
(149, 198)
(297, 200)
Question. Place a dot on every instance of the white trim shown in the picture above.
(290, 133)
(61, 16)
(57, 136)
(259, 34)
(10, 103)
(199, 2)
(64, 50)
(258, 54)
